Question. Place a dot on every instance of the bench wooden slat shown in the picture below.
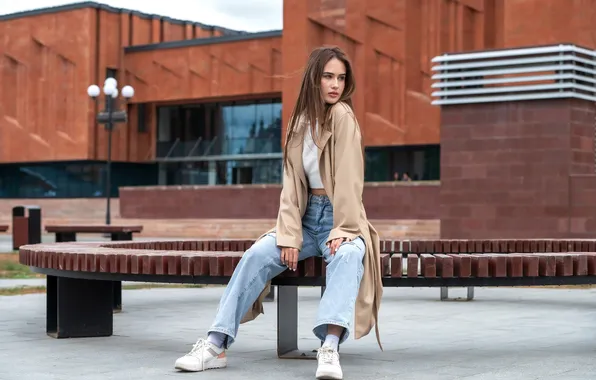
(428, 265)
(479, 265)
(385, 264)
(515, 265)
(497, 265)
(462, 265)
(580, 265)
(547, 265)
(444, 265)
(396, 265)
(412, 269)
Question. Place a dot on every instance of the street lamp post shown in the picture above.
(109, 117)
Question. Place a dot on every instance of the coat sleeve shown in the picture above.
(289, 223)
(349, 179)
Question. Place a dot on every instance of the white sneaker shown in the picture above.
(329, 367)
(203, 356)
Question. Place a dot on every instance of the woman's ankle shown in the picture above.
(216, 338)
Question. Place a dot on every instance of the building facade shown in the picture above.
(211, 104)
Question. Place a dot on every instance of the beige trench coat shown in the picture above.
(341, 165)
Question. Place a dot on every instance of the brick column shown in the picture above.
(508, 158)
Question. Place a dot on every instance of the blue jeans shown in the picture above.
(261, 262)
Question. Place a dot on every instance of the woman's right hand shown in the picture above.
(289, 257)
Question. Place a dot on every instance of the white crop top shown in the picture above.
(310, 159)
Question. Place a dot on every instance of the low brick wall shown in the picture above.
(383, 200)
(92, 211)
(64, 210)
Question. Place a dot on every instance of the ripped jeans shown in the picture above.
(262, 262)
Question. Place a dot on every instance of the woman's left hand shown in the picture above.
(334, 245)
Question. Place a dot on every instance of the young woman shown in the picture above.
(320, 214)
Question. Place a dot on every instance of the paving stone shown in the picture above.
(532, 333)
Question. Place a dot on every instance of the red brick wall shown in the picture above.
(506, 169)
(582, 212)
(391, 44)
(46, 114)
(415, 200)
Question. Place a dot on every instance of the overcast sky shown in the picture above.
(248, 15)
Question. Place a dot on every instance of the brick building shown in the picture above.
(211, 104)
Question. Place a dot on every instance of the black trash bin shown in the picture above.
(26, 225)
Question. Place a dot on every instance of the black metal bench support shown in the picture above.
(62, 237)
(287, 325)
(445, 293)
(78, 308)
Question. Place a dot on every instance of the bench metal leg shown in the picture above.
(287, 325)
(63, 237)
(78, 308)
(119, 236)
(445, 293)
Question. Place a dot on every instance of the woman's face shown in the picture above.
(333, 81)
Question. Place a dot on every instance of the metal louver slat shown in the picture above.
(547, 72)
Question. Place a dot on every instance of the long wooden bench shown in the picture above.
(80, 275)
(3, 227)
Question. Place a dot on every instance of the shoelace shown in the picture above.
(327, 355)
(199, 347)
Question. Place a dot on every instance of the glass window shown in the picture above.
(377, 164)
(253, 171)
(214, 129)
(242, 130)
(402, 163)
(268, 133)
(80, 179)
(231, 172)
(255, 127)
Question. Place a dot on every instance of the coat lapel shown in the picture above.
(322, 143)
(295, 154)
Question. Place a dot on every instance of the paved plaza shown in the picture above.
(503, 334)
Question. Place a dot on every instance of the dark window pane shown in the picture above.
(399, 163)
(81, 179)
(213, 129)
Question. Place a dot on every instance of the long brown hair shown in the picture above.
(310, 103)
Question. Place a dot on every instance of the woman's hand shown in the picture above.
(289, 257)
(334, 245)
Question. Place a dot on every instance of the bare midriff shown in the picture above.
(317, 191)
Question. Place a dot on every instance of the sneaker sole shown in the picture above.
(216, 364)
(324, 375)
